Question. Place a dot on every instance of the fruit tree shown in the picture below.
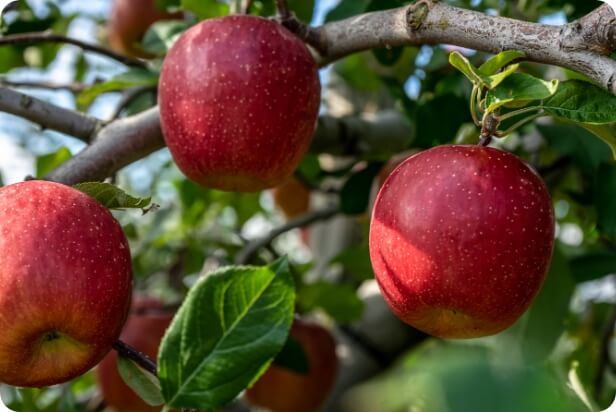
(307, 205)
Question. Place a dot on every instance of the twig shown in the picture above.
(307, 219)
(246, 5)
(133, 354)
(47, 115)
(48, 37)
(129, 96)
(71, 87)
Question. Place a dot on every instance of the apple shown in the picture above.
(144, 330)
(65, 283)
(461, 238)
(239, 98)
(129, 21)
(292, 197)
(283, 390)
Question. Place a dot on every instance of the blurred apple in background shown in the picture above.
(284, 390)
(146, 325)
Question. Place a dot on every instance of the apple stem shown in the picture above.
(133, 354)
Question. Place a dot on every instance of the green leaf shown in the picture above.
(593, 265)
(355, 193)
(226, 333)
(48, 162)
(112, 197)
(461, 63)
(131, 78)
(605, 201)
(497, 62)
(293, 357)
(457, 60)
(582, 102)
(340, 301)
(518, 89)
(162, 35)
(205, 9)
(141, 381)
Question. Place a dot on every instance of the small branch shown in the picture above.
(71, 87)
(246, 254)
(129, 96)
(48, 37)
(133, 354)
(47, 115)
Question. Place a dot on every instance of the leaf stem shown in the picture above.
(518, 124)
(140, 358)
(519, 112)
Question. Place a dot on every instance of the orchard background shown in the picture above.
(76, 112)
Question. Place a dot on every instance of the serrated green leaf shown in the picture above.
(518, 89)
(226, 333)
(497, 62)
(205, 9)
(347, 8)
(582, 102)
(340, 301)
(606, 132)
(112, 197)
(141, 381)
(131, 78)
(162, 35)
(48, 162)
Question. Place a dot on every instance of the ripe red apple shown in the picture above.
(239, 98)
(128, 22)
(283, 390)
(461, 239)
(144, 330)
(65, 283)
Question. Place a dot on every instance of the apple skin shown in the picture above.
(283, 390)
(129, 21)
(239, 98)
(65, 283)
(461, 239)
(146, 325)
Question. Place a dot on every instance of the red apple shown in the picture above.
(65, 283)
(128, 22)
(239, 98)
(461, 239)
(283, 390)
(144, 330)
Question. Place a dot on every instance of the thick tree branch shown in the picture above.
(117, 145)
(307, 219)
(129, 139)
(583, 45)
(48, 37)
(48, 115)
